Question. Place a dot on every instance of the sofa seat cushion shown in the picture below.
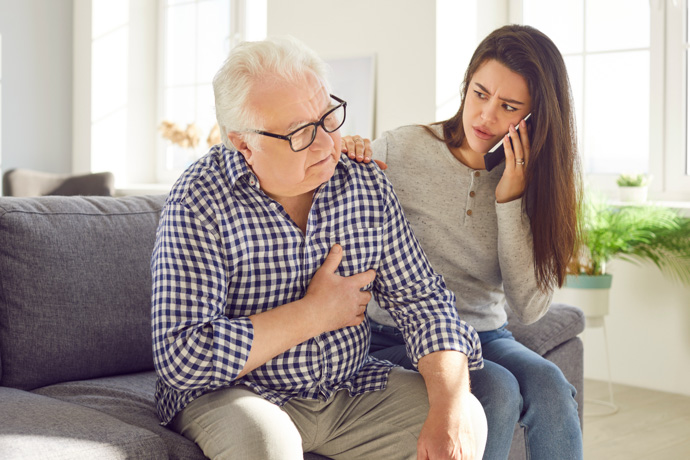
(560, 323)
(130, 399)
(33, 426)
(75, 287)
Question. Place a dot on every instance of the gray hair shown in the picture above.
(283, 59)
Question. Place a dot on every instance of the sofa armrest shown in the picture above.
(561, 323)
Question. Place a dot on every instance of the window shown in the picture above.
(451, 59)
(629, 98)
(196, 36)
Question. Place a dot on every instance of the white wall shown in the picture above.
(36, 84)
(401, 33)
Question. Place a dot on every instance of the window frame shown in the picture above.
(676, 179)
(240, 28)
(668, 116)
(163, 174)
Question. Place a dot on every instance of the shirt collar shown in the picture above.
(235, 165)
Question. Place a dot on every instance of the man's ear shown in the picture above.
(241, 145)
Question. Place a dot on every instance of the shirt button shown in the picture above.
(472, 194)
(273, 206)
(469, 212)
(252, 181)
(476, 174)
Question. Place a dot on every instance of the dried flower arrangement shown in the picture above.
(185, 138)
(189, 137)
(214, 136)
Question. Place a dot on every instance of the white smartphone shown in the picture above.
(496, 155)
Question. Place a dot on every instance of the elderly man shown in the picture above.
(268, 250)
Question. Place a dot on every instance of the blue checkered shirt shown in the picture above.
(225, 250)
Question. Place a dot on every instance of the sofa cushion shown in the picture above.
(37, 427)
(129, 398)
(75, 287)
(560, 323)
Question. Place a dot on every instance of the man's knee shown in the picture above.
(480, 426)
(235, 423)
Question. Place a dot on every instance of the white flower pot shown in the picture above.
(589, 293)
(633, 194)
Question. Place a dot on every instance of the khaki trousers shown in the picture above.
(235, 423)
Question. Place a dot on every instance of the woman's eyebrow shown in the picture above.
(510, 101)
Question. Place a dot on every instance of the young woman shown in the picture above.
(499, 237)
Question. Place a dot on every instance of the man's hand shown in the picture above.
(456, 425)
(337, 301)
(331, 302)
(448, 433)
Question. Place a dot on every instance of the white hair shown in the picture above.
(280, 58)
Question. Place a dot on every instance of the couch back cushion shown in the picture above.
(75, 287)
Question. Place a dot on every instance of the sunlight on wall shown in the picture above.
(114, 90)
(109, 67)
(454, 47)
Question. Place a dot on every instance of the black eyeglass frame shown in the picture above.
(316, 124)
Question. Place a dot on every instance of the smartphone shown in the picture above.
(496, 155)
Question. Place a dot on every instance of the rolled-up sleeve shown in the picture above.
(416, 296)
(195, 344)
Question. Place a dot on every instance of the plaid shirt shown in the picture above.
(225, 251)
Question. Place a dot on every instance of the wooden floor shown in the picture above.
(649, 425)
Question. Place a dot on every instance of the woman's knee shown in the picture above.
(551, 393)
(498, 391)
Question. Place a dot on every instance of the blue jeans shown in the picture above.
(516, 385)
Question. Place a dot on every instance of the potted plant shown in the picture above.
(637, 233)
(633, 187)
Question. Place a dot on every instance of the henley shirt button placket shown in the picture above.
(472, 193)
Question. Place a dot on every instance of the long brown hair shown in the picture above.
(553, 192)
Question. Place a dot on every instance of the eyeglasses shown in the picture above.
(304, 136)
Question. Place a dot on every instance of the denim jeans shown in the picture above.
(516, 385)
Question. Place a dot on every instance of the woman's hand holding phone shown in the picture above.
(517, 148)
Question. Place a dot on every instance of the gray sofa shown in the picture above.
(76, 366)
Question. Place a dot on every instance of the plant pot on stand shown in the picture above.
(630, 194)
(591, 294)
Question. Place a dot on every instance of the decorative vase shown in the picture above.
(633, 194)
(590, 293)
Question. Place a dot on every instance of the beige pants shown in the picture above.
(235, 423)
